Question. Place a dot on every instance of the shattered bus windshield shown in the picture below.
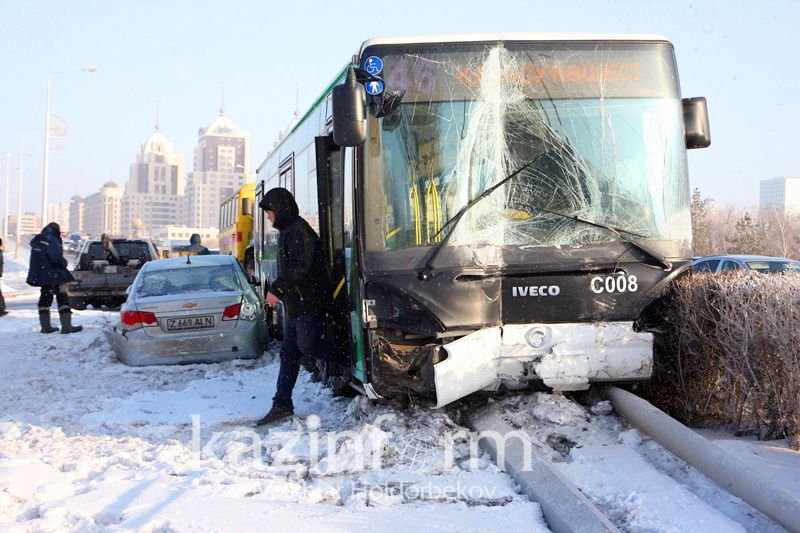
(601, 123)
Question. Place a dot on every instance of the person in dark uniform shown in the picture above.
(195, 248)
(48, 270)
(303, 287)
(3, 310)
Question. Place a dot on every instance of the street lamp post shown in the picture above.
(19, 191)
(8, 178)
(47, 138)
(22, 154)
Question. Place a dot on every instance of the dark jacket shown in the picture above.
(303, 283)
(195, 247)
(1, 262)
(47, 264)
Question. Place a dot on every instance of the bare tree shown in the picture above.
(722, 227)
(780, 239)
(750, 237)
(701, 231)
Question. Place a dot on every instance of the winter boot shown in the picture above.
(44, 321)
(275, 414)
(66, 322)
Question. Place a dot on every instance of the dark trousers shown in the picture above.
(2, 298)
(303, 336)
(50, 291)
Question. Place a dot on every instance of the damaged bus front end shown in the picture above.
(521, 204)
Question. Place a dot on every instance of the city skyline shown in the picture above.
(172, 62)
(159, 193)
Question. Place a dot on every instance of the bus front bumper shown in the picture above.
(566, 357)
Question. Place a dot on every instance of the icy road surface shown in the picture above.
(89, 444)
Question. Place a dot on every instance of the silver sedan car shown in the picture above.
(194, 309)
(720, 264)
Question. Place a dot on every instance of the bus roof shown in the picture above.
(505, 37)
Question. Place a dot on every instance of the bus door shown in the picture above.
(334, 190)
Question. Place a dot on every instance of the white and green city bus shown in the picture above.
(497, 210)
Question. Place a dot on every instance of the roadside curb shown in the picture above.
(564, 507)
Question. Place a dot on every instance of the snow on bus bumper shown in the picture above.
(565, 357)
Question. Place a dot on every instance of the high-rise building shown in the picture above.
(155, 189)
(76, 214)
(29, 224)
(102, 212)
(221, 167)
(59, 213)
(782, 194)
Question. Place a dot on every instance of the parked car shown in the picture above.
(717, 264)
(105, 268)
(175, 248)
(194, 309)
(73, 242)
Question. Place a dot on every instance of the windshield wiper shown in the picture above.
(427, 271)
(652, 254)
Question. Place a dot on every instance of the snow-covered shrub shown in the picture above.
(731, 354)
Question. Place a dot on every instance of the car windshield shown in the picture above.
(222, 278)
(773, 266)
(601, 124)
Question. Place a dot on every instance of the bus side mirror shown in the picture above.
(695, 120)
(349, 112)
(247, 207)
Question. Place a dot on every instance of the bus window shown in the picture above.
(286, 174)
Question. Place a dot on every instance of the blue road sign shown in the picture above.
(373, 65)
(374, 87)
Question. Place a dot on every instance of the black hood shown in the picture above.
(194, 239)
(50, 230)
(281, 202)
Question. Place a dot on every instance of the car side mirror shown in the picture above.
(349, 112)
(695, 120)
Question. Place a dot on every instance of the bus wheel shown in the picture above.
(250, 265)
(340, 385)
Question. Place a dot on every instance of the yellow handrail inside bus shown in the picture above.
(389, 219)
(338, 288)
(414, 196)
(433, 210)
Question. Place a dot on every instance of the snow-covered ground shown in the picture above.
(89, 444)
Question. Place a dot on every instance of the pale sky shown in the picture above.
(742, 56)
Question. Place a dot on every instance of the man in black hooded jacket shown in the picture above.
(303, 287)
(195, 246)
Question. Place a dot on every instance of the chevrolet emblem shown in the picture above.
(190, 305)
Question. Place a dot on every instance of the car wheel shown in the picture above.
(113, 304)
(78, 304)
